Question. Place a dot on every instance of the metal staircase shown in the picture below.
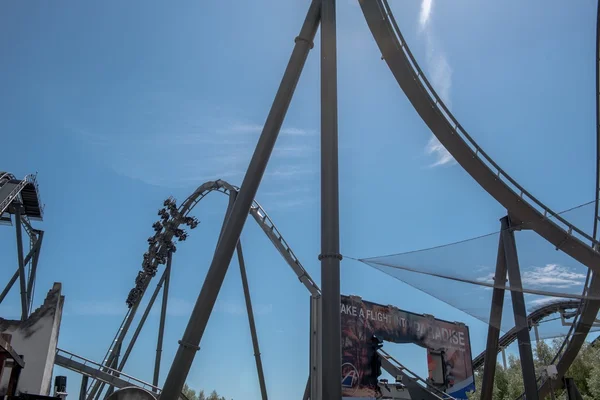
(418, 387)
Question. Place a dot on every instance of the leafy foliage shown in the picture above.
(508, 382)
(192, 395)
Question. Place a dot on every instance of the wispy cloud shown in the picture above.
(440, 74)
(426, 6)
(550, 276)
(191, 154)
(553, 275)
(256, 128)
(438, 151)
(543, 301)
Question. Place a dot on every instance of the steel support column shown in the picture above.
(189, 344)
(330, 237)
(491, 349)
(161, 325)
(259, 367)
(83, 389)
(22, 281)
(518, 301)
(315, 374)
(111, 388)
(37, 246)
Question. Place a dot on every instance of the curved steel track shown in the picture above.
(533, 318)
(162, 242)
(521, 205)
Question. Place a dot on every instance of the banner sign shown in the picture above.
(362, 319)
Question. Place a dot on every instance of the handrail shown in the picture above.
(108, 370)
(13, 195)
(518, 202)
(434, 390)
(478, 151)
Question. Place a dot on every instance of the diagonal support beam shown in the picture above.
(520, 312)
(189, 344)
(33, 252)
(491, 349)
(161, 325)
(259, 367)
(22, 279)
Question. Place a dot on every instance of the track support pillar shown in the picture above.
(259, 367)
(161, 325)
(520, 312)
(84, 385)
(330, 236)
(491, 349)
(21, 259)
(315, 375)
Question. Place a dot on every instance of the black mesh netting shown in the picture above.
(461, 275)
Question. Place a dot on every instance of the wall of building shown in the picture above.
(35, 339)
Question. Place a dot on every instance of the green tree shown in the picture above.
(508, 382)
(191, 394)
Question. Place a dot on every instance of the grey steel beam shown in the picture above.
(330, 230)
(22, 281)
(83, 389)
(9, 286)
(37, 246)
(189, 344)
(161, 325)
(259, 367)
(82, 368)
(491, 349)
(316, 376)
(518, 301)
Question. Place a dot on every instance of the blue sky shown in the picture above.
(119, 105)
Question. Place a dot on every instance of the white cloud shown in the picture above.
(440, 76)
(191, 155)
(438, 151)
(256, 128)
(553, 275)
(538, 303)
(550, 276)
(426, 6)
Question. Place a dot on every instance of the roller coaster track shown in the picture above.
(161, 244)
(521, 205)
(533, 318)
